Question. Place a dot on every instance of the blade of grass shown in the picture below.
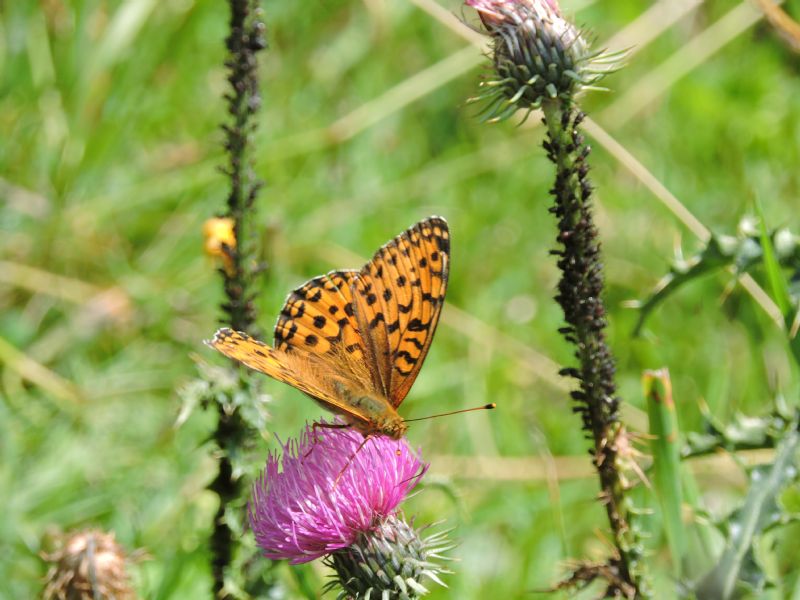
(695, 52)
(665, 449)
(540, 468)
(43, 282)
(59, 388)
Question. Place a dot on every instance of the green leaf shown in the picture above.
(777, 282)
(713, 257)
(790, 501)
(742, 253)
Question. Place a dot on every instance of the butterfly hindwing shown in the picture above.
(399, 297)
(371, 322)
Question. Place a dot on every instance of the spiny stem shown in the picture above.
(243, 42)
(245, 39)
(580, 296)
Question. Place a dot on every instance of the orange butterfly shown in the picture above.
(355, 340)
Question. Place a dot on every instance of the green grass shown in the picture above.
(109, 113)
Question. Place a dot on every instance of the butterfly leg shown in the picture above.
(315, 426)
(351, 459)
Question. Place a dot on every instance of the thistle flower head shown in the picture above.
(310, 502)
(537, 56)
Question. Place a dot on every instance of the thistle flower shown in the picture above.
(537, 56)
(327, 495)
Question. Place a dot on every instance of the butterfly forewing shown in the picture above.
(318, 317)
(308, 374)
(399, 296)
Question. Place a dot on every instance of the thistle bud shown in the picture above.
(537, 56)
(89, 564)
(389, 561)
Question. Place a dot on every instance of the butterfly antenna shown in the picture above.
(416, 475)
(489, 406)
(350, 461)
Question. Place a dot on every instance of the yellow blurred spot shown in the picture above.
(220, 241)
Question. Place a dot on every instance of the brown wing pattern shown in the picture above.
(302, 371)
(318, 318)
(399, 296)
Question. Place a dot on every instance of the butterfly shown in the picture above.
(354, 341)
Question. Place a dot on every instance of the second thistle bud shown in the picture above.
(391, 561)
(538, 56)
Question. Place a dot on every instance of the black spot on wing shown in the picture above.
(406, 356)
(417, 325)
(378, 318)
(417, 344)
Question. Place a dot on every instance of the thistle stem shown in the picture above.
(580, 296)
(243, 42)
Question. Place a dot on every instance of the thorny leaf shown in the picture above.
(743, 252)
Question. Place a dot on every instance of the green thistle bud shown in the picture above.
(389, 562)
(537, 56)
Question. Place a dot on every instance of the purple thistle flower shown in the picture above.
(494, 12)
(307, 504)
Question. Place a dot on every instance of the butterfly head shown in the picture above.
(394, 428)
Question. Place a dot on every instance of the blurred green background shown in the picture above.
(109, 113)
